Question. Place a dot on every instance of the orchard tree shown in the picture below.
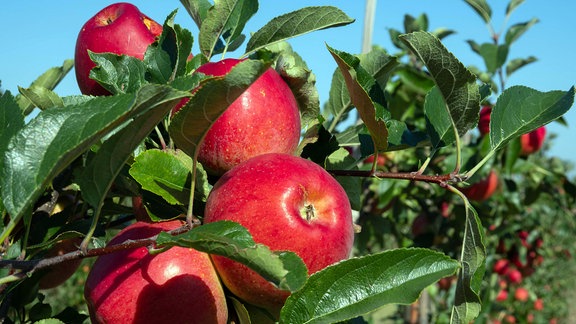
(194, 203)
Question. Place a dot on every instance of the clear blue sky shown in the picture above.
(36, 35)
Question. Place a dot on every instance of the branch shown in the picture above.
(442, 180)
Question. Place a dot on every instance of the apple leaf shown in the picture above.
(520, 110)
(229, 239)
(297, 23)
(516, 64)
(512, 5)
(366, 95)
(438, 123)
(48, 80)
(197, 9)
(455, 82)
(11, 119)
(41, 97)
(482, 9)
(55, 138)
(342, 160)
(467, 303)
(152, 105)
(357, 286)
(214, 95)
(225, 19)
(494, 56)
(167, 173)
(118, 73)
(516, 30)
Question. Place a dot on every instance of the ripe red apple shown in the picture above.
(533, 141)
(521, 294)
(538, 304)
(264, 119)
(501, 266)
(286, 203)
(502, 295)
(179, 285)
(59, 273)
(119, 28)
(514, 276)
(484, 122)
(379, 163)
(482, 189)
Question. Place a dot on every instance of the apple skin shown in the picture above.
(264, 119)
(58, 274)
(521, 294)
(179, 285)
(484, 122)
(533, 141)
(483, 189)
(119, 28)
(269, 195)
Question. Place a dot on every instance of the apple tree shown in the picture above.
(443, 214)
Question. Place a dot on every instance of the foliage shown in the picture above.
(72, 170)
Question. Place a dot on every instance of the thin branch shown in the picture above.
(412, 176)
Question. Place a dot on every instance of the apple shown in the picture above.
(533, 141)
(501, 266)
(502, 295)
(264, 119)
(287, 203)
(521, 294)
(59, 273)
(482, 189)
(538, 304)
(179, 285)
(379, 163)
(514, 276)
(484, 122)
(119, 28)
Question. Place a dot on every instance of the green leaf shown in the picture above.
(456, 83)
(520, 110)
(166, 59)
(192, 122)
(517, 30)
(11, 120)
(49, 321)
(494, 56)
(168, 173)
(197, 9)
(467, 304)
(475, 47)
(41, 97)
(516, 64)
(153, 104)
(412, 24)
(342, 160)
(229, 239)
(225, 19)
(438, 122)
(297, 23)
(357, 286)
(442, 33)
(48, 80)
(118, 73)
(512, 5)
(366, 95)
(482, 9)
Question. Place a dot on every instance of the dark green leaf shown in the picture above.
(41, 97)
(197, 9)
(342, 160)
(494, 56)
(394, 33)
(412, 24)
(366, 95)
(400, 137)
(153, 104)
(515, 31)
(512, 5)
(285, 269)
(456, 83)
(225, 19)
(442, 33)
(516, 64)
(48, 80)
(118, 73)
(296, 23)
(467, 301)
(520, 110)
(414, 79)
(475, 47)
(482, 9)
(357, 286)
(438, 122)
(11, 120)
(192, 122)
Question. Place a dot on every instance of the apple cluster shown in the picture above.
(286, 202)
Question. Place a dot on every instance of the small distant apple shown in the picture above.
(59, 273)
(287, 203)
(179, 285)
(502, 295)
(501, 266)
(533, 141)
(483, 189)
(514, 276)
(521, 294)
(264, 119)
(120, 28)
(484, 122)
(538, 304)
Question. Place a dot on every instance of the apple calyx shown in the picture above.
(308, 212)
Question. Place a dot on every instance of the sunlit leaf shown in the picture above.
(197, 9)
(512, 5)
(118, 73)
(494, 56)
(482, 9)
(516, 64)
(517, 30)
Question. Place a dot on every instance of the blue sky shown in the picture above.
(36, 35)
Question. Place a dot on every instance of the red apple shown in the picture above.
(482, 189)
(533, 141)
(521, 294)
(59, 273)
(379, 164)
(502, 295)
(484, 122)
(514, 276)
(286, 203)
(179, 285)
(264, 119)
(119, 28)
(538, 304)
(501, 266)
